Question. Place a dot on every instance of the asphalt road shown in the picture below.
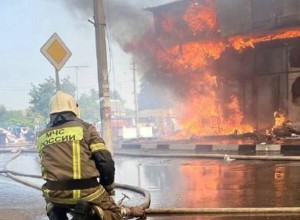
(174, 183)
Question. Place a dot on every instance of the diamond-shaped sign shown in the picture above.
(56, 51)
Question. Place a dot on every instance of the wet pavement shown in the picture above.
(19, 201)
(174, 183)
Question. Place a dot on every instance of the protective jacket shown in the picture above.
(73, 157)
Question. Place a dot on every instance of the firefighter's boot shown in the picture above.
(57, 213)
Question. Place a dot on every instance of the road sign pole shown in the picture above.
(57, 54)
(57, 80)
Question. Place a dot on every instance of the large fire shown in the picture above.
(188, 55)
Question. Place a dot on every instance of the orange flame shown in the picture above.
(190, 56)
(204, 114)
(200, 113)
(200, 17)
(280, 118)
(204, 110)
(236, 119)
(241, 42)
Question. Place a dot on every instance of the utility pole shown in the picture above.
(136, 117)
(76, 71)
(103, 81)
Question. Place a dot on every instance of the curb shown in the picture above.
(212, 147)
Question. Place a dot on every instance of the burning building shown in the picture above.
(229, 64)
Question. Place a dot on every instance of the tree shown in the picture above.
(89, 106)
(37, 120)
(41, 94)
(18, 117)
(12, 118)
(114, 94)
(3, 116)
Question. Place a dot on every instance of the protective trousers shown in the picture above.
(104, 207)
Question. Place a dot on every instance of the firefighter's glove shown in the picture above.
(135, 211)
(110, 189)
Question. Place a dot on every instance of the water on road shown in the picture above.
(177, 183)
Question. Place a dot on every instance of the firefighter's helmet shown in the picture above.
(63, 102)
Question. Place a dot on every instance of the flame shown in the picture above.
(189, 56)
(200, 17)
(185, 56)
(236, 119)
(241, 42)
(200, 114)
(204, 113)
(279, 118)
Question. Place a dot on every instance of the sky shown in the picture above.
(26, 25)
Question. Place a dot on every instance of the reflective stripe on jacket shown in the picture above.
(66, 153)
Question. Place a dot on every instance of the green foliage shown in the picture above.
(37, 113)
(89, 106)
(114, 94)
(68, 87)
(41, 94)
(88, 103)
(16, 117)
(4, 116)
(36, 118)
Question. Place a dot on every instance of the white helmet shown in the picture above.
(63, 102)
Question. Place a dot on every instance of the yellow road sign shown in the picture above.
(56, 51)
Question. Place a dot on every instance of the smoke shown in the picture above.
(78, 8)
(126, 20)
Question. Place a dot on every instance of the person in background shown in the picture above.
(29, 135)
(73, 158)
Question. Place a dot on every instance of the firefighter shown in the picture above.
(73, 159)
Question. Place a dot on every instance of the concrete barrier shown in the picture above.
(211, 147)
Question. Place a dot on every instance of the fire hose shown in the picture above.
(170, 211)
(16, 177)
(214, 156)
